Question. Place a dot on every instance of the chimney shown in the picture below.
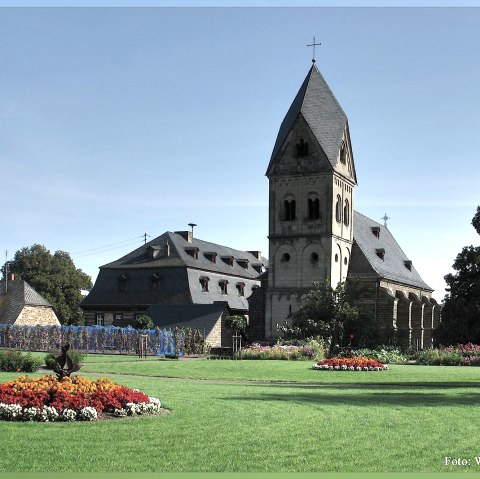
(11, 276)
(166, 249)
(186, 235)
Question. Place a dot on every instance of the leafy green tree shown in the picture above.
(333, 315)
(239, 323)
(55, 277)
(144, 322)
(461, 312)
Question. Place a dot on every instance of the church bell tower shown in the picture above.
(311, 184)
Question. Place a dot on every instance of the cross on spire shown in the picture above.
(313, 45)
(385, 218)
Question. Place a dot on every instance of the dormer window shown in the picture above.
(408, 264)
(154, 282)
(211, 256)
(193, 252)
(228, 260)
(241, 289)
(122, 283)
(223, 286)
(243, 263)
(301, 148)
(380, 253)
(258, 267)
(376, 231)
(204, 283)
(152, 252)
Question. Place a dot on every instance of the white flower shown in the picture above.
(68, 415)
(358, 368)
(385, 366)
(87, 414)
(344, 367)
(351, 368)
(336, 367)
(120, 412)
(365, 368)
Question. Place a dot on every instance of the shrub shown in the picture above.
(436, 357)
(76, 356)
(11, 361)
(278, 351)
(385, 354)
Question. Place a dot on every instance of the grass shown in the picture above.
(403, 420)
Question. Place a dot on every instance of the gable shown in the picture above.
(321, 111)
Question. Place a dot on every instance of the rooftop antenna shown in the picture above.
(313, 45)
(192, 225)
(385, 218)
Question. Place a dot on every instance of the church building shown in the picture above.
(314, 232)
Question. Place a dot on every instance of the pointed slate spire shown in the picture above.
(321, 110)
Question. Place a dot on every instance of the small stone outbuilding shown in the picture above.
(21, 305)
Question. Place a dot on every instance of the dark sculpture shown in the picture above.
(64, 365)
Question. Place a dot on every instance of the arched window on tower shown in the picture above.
(302, 147)
(338, 209)
(346, 213)
(289, 210)
(343, 153)
(313, 208)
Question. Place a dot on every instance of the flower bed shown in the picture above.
(71, 399)
(358, 363)
(278, 351)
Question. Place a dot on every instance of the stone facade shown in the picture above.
(37, 316)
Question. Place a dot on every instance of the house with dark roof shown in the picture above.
(177, 280)
(21, 305)
(314, 232)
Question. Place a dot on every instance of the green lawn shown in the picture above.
(406, 419)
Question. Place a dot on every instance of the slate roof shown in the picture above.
(178, 273)
(365, 262)
(196, 316)
(19, 294)
(180, 257)
(324, 115)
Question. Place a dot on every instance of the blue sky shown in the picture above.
(115, 122)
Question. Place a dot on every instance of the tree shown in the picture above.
(332, 314)
(55, 277)
(144, 322)
(239, 323)
(461, 312)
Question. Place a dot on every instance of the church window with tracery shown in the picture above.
(338, 209)
(289, 207)
(302, 148)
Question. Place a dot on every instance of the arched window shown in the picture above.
(289, 207)
(313, 208)
(343, 153)
(302, 148)
(338, 209)
(346, 213)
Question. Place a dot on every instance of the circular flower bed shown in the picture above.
(71, 399)
(358, 363)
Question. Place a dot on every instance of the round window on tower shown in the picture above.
(314, 257)
(285, 258)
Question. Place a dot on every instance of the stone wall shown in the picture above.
(37, 316)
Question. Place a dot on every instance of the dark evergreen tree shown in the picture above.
(461, 312)
(55, 277)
